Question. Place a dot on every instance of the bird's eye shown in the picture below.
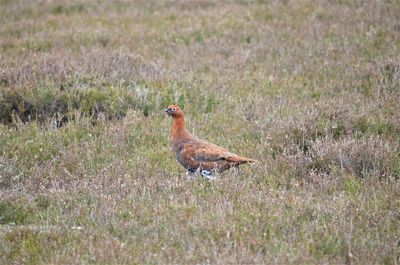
(173, 109)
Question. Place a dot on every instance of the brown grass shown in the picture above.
(310, 89)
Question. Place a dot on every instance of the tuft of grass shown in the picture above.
(13, 214)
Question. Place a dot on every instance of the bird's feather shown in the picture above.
(194, 153)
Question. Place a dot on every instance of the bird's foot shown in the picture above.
(207, 174)
(238, 172)
(190, 175)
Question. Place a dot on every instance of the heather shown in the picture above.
(311, 89)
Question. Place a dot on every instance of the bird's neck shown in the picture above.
(178, 129)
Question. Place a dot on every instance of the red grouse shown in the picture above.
(197, 155)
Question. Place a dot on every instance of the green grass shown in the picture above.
(310, 89)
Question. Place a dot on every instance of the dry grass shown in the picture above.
(310, 89)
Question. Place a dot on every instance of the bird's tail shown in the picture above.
(241, 160)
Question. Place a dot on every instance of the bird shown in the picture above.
(198, 155)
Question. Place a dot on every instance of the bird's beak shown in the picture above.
(166, 110)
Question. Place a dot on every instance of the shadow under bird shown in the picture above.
(197, 155)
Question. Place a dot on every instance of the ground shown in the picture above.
(311, 89)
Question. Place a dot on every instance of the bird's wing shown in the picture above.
(203, 151)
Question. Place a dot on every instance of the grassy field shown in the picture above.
(310, 89)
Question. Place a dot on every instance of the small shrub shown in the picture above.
(12, 103)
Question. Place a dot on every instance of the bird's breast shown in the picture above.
(178, 148)
(189, 164)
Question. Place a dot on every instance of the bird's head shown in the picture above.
(174, 111)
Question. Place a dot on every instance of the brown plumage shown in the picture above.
(196, 154)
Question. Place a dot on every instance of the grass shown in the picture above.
(310, 89)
